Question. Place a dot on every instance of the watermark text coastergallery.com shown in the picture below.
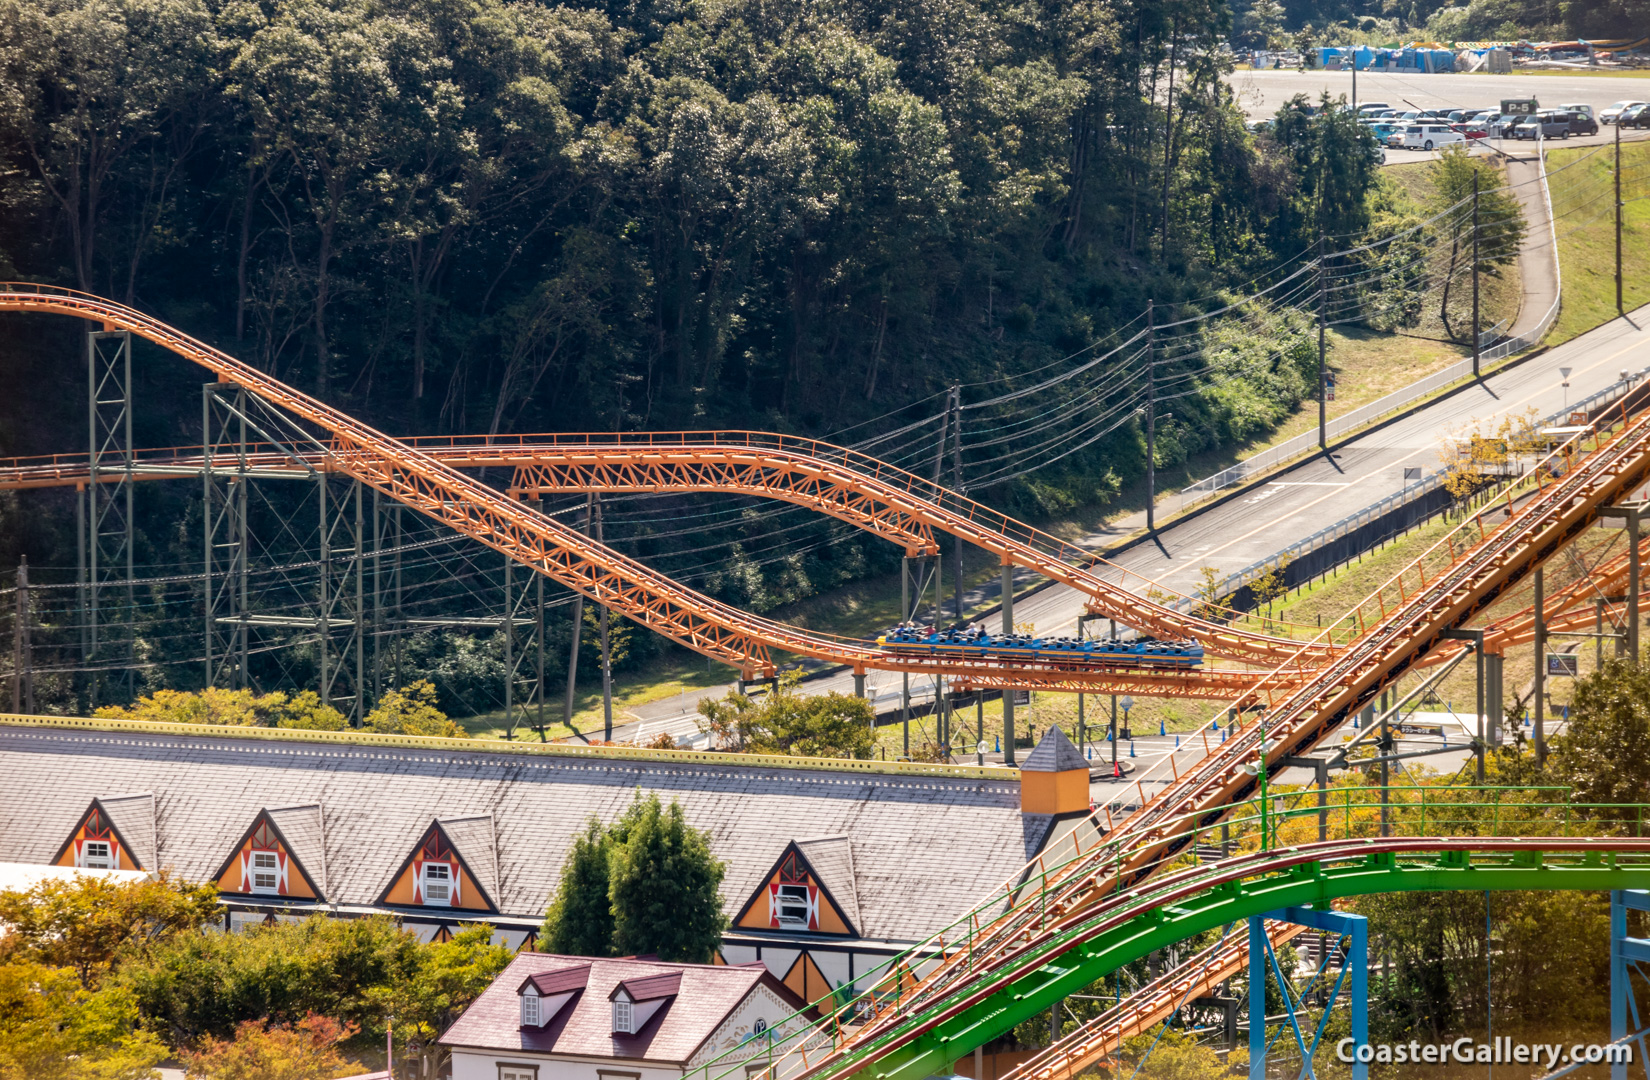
(1500, 1051)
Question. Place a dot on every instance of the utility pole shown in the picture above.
(1540, 723)
(1620, 309)
(957, 486)
(1151, 418)
(607, 657)
(573, 650)
(1323, 357)
(1477, 337)
(1008, 693)
(22, 662)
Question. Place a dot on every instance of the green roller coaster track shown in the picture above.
(1024, 948)
(1312, 875)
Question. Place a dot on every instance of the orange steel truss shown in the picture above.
(411, 473)
(859, 490)
(1097, 1041)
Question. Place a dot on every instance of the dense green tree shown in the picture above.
(1604, 753)
(1468, 189)
(197, 985)
(663, 885)
(579, 921)
(786, 722)
(51, 1028)
(89, 924)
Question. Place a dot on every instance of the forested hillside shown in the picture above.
(480, 216)
(484, 216)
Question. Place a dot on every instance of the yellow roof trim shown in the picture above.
(494, 746)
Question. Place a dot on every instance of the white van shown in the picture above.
(1430, 137)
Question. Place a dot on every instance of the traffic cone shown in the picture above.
(1131, 748)
(1162, 728)
(1177, 742)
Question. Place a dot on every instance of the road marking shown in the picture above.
(1506, 409)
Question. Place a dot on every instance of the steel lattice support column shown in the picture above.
(523, 611)
(387, 621)
(224, 484)
(340, 598)
(110, 605)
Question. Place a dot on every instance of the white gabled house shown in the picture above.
(552, 1017)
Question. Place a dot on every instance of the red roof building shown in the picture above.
(552, 1017)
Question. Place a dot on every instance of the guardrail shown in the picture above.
(1347, 422)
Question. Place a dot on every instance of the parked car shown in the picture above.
(1396, 138)
(1470, 130)
(1430, 137)
(1384, 131)
(1547, 124)
(1613, 113)
(1578, 107)
(1582, 123)
(1371, 106)
(1635, 116)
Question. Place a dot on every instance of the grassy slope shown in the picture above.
(1582, 183)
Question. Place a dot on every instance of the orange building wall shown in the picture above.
(1054, 793)
(122, 858)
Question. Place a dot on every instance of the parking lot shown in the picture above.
(1261, 93)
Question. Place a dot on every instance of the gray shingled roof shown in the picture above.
(832, 858)
(305, 841)
(379, 802)
(133, 817)
(475, 843)
(1054, 753)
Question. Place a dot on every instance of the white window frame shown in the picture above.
(624, 1016)
(782, 900)
(106, 861)
(449, 879)
(532, 1012)
(515, 1070)
(255, 871)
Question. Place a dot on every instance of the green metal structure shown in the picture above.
(1059, 928)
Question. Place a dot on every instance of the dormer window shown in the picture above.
(624, 1016)
(96, 855)
(793, 906)
(266, 872)
(530, 1014)
(438, 883)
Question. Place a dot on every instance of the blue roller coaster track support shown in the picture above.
(1355, 963)
(1625, 954)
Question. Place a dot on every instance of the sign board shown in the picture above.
(1331, 390)
(1412, 473)
(1563, 665)
(1422, 729)
(1022, 697)
(1519, 106)
(1578, 419)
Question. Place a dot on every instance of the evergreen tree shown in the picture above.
(580, 920)
(664, 885)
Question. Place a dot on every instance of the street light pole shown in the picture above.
(1477, 335)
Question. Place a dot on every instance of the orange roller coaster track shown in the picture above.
(411, 474)
(866, 493)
